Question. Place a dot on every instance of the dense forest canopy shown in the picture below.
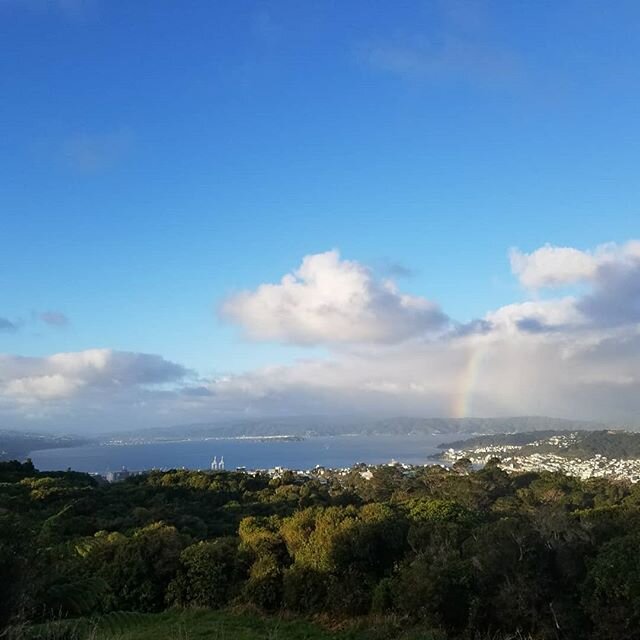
(467, 554)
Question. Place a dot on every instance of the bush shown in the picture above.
(305, 590)
(264, 586)
(209, 574)
(138, 569)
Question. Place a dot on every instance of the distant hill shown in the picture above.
(16, 445)
(310, 426)
(481, 425)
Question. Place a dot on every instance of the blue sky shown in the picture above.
(160, 156)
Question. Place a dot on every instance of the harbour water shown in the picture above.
(334, 452)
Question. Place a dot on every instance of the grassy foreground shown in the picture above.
(207, 625)
(215, 625)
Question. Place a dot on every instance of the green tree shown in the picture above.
(611, 593)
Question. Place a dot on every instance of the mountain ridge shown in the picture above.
(310, 426)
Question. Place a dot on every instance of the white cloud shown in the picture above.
(552, 266)
(328, 300)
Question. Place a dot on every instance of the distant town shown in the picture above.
(599, 454)
(318, 472)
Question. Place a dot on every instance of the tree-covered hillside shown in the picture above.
(456, 554)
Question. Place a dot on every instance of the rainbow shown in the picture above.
(462, 405)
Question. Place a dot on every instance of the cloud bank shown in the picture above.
(573, 354)
(62, 375)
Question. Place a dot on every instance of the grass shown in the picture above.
(218, 625)
(211, 625)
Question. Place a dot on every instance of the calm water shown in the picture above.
(342, 451)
